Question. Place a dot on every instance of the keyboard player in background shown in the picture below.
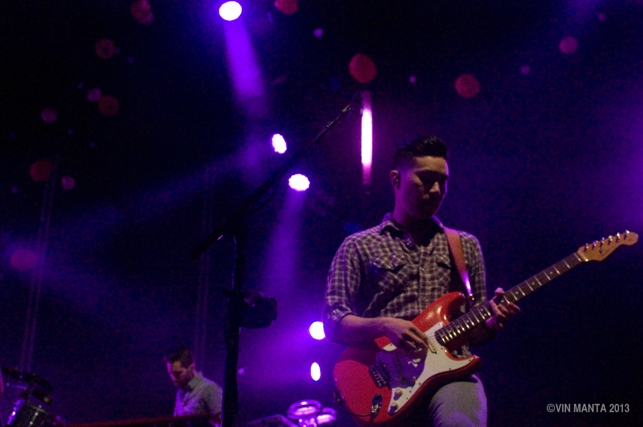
(196, 395)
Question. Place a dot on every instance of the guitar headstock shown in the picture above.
(601, 249)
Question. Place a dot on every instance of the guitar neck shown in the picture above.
(482, 312)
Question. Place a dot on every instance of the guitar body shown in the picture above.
(380, 383)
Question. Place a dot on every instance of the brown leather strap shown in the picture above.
(455, 244)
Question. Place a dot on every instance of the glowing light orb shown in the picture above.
(568, 45)
(105, 48)
(318, 32)
(299, 182)
(147, 20)
(140, 10)
(287, 7)
(24, 260)
(362, 68)
(467, 86)
(94, 95)
(48, 115)
(279, 143)
(230, 10)
(40, 170)
(315, 371)
(108, 105)
(525, 69)
(317, 330)
(68, 183)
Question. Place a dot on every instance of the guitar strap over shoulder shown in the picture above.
(455, 245)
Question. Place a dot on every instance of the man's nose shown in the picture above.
(435, 188)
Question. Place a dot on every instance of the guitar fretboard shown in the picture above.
(479, 314)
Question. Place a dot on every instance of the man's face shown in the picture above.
(421, 186)
(179, 374)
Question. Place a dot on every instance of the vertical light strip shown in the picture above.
(367, 138)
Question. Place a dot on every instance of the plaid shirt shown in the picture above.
(382, 272)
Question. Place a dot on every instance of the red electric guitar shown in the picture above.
(379, 383)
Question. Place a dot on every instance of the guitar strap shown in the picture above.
(455, 245)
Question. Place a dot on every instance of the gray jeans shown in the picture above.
(458, 404)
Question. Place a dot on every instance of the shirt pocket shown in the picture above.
(389, 273)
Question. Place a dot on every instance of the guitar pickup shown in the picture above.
(379, 374)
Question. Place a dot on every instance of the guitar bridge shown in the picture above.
(379, 374)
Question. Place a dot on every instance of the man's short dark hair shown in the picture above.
(183, 354)
(421, 145)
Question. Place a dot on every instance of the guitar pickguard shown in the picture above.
(406, 374)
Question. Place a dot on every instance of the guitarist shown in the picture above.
(383, 277)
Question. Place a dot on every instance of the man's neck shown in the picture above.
(417, 228)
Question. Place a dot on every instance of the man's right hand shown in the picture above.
(405, 335)
(402, 333)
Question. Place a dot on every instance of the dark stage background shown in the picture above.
(548, 156)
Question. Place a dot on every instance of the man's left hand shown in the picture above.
(501, 312)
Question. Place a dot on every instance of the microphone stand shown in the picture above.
(235, 226)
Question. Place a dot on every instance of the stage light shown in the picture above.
(230, 10)
(315, 371)
(367, 138)
(317, 330)
(279, 143)
(299, 182)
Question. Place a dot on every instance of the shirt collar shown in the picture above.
(387, 222)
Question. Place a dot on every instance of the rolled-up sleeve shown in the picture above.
(341, 289)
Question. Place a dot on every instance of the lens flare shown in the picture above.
(299, 182)
(230, 10)
(279, 144)
(315, 371)
(317, 330)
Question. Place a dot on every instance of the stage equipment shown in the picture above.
(309, 413)
(235, 226)
(25, 413)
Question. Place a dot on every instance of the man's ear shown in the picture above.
(192, 368)
(394, 176)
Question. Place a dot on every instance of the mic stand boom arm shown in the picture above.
(235, 226)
